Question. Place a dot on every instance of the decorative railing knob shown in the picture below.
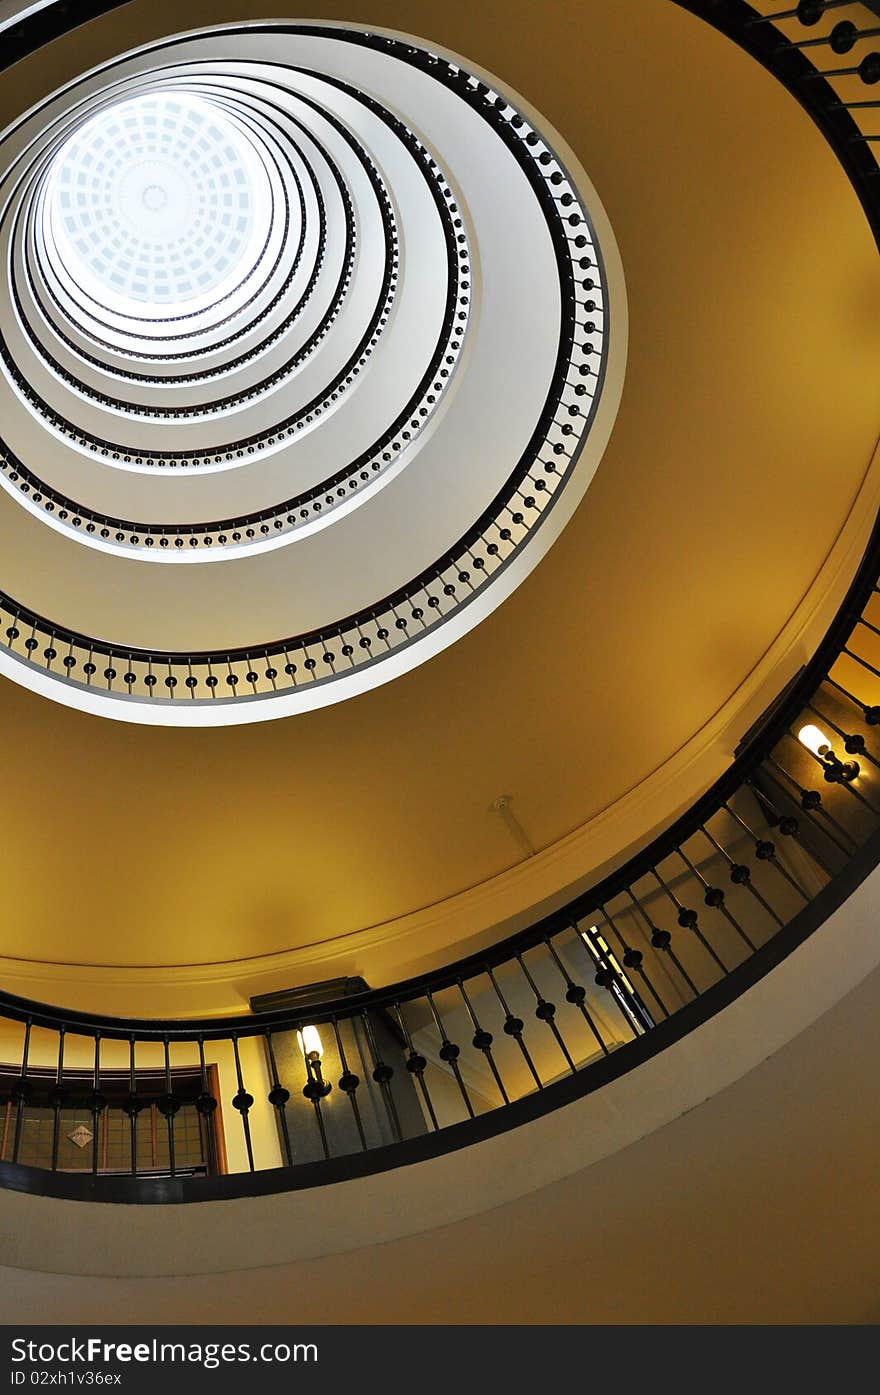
(132, 1106)
(315, 1090)
(809, 12)
(843, 36)
(869, 69)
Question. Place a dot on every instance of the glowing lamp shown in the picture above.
(309, 1040)
(835, 770)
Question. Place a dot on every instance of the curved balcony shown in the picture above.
(345, 1083)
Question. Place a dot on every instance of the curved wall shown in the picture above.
(42, 1234)
(586, 717)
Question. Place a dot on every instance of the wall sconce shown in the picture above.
(316, 1087)
(836, 771)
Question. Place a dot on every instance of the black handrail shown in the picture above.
(583, 994)
(453, 579)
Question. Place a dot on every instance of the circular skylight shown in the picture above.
(275, 377)
(158, 203)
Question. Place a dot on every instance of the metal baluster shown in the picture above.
(415, 1064)
(98, 1102)
(482, 1041)
(605, 976)
(812, 9)
(546, 1012)
(383, 1075)
(870, 713)
(688, 919)
(714, 898)
(868, 70)
(133, 1105)
(633, 959)
(765, 851)
(787, 823)
(661, 940)
(741, 875)
(513, 1027)
(58, 1099)
(576, 994)
(851, 654)
(811, 803)
(206, 1105)
(316, 1087)
(348, 1084)
(168, 1107)
(278, 1098)
(842, 38)
(20, 1091)
(243, 1102)
(449, 1054)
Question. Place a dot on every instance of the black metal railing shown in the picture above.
(365, 1080)
(375, 1078)
(391, 623)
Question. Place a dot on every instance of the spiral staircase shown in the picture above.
(439, 643)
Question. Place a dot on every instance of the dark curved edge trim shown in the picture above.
(759, 746)
(444, 346)
(36, 194)
(626, 1057)
(165, 1190)
(24, 36)
(737, 773)
(116, 449)
(458, 82)
(142, 320)
(789, 65)
(182, 355)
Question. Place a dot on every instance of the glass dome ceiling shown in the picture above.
(284, 415)
(157, 203)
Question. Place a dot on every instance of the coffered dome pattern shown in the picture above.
(153, 201)
(318, 308)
